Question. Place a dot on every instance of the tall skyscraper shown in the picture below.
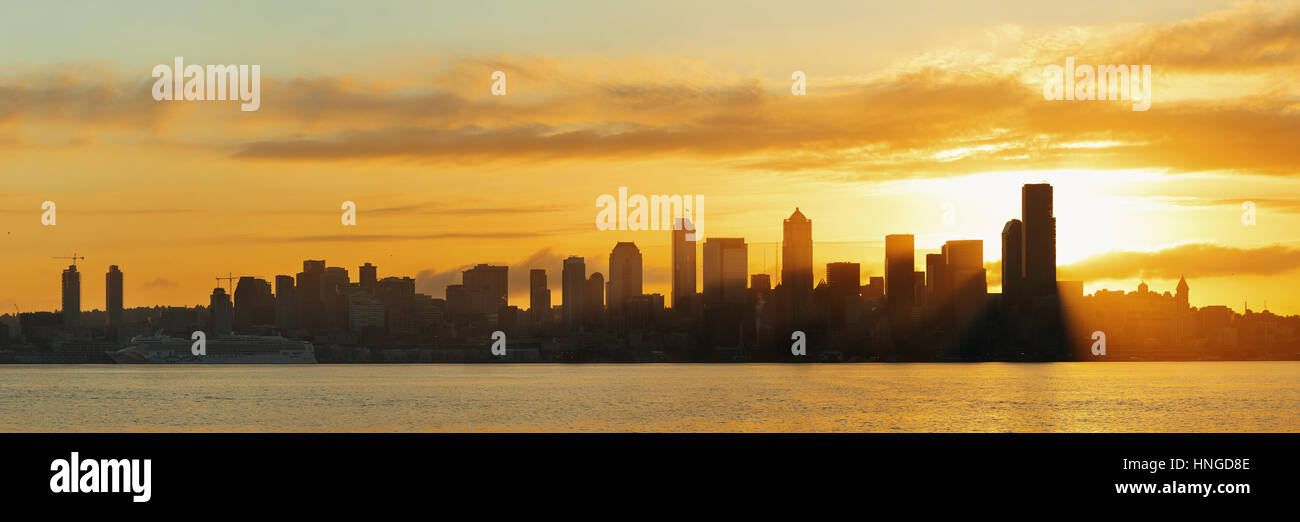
(221, 312)
(900, 268)
(937, 291)
(624, 274)
(1013, 273)
(368, 276)
(286, 303)
(965, 268)
(539, 296)
(593, 300)
(683, 267)
(311, 314)
(726, 268)
(113, 296)
(797, 262)
(573, 283)
(71, 297)
(1039, 252)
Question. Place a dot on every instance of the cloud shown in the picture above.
(160, 283)
(1224, 101)
(1190, 260)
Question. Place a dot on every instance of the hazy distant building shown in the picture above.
(71, 297)
(286, 303)
(900, 268)
(220, 313)
(1013, 273)
(624, 275)
(488, 287)
(683, 264)
(797, 263)
(539, 296)
(937, 291)
(1039, 252)
(113, 296)
(726, 268)
(573, 283)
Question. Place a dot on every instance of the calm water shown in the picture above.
(1074, 397)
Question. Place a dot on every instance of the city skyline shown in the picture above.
(485, 288)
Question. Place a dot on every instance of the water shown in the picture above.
(1070, 397)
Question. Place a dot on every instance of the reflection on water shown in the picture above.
(1052, 397)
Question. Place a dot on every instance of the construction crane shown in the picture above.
(229, 279)
(74, 257)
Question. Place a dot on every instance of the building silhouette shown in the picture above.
(683, 264)
(71, 298)
(797, 265)
(254, 305)
(488, 287)
(539, 296)
(726, 270)
(900, 275)
(624, 275)
(286, 304)
(113, 299)
(368, 275)
(221, 313)
(573, 282)
(1039, 250)
(1013, 281)
(311, 313)
(593, 301)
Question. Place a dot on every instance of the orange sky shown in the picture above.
(890, 134)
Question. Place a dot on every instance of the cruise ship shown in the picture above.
(235, 349)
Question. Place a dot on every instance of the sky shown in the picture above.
(919, 117)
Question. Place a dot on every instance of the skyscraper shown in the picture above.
(71, 297)
(368, 276)
(221, 320)
(624, 274)
(573, 282)
(937, 291)
(1039, 252)
(286, 303)
(965, 268)
(726, 267)
(1013, 274)
(253, 304)
(683, 264)
(488, 287)
(310, 307)
(797, 263)
(539, 296)
(113, 296)
(593, 300)
(900, 268)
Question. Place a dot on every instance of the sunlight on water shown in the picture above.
(1069, 397)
